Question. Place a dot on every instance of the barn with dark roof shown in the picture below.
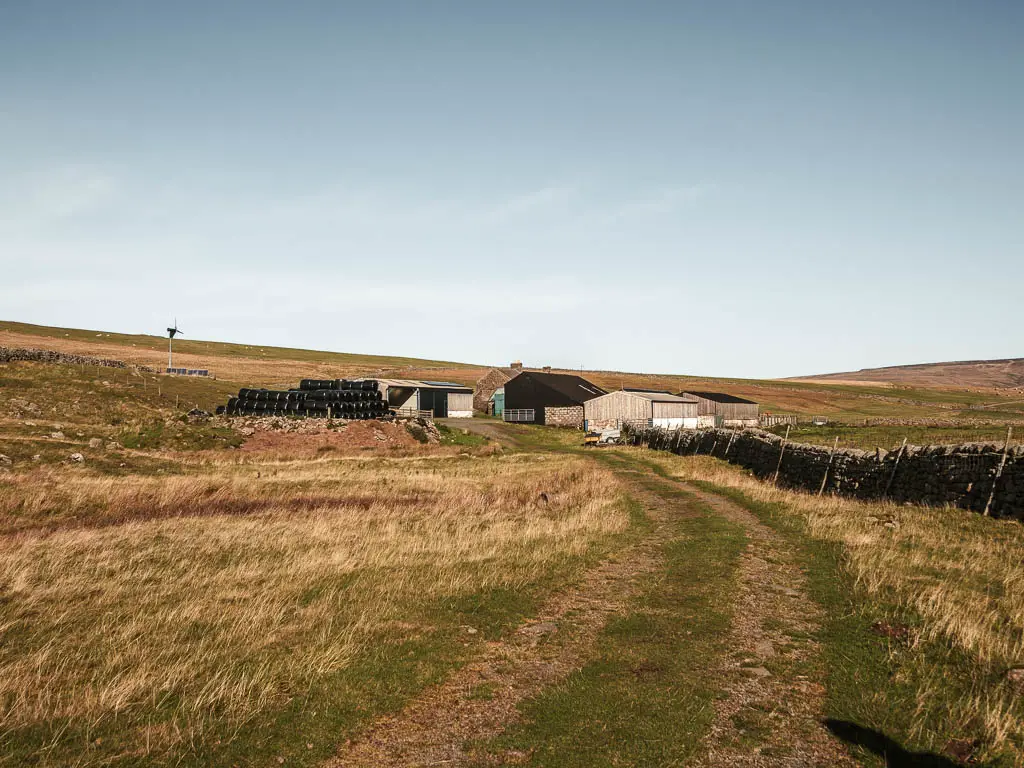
(729, 410)
(555, 399)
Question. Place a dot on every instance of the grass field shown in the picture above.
(191, 593)
(228, 590)
(888, 438)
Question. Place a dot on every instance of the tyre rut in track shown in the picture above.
(772, 703)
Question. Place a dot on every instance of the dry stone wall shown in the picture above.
(960, 475)
(567, 416)
(12, 354)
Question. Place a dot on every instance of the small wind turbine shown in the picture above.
(171, 333)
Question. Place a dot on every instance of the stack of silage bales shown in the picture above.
(315, 398)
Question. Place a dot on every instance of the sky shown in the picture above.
(749, 189)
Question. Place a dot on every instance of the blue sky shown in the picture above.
(727, 188)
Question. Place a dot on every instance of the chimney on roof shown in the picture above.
(517, 365)
(547, 369)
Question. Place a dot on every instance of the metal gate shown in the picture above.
(520, 415)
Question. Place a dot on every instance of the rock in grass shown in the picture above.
(77, 458)
(539, 629)
(1015, 677)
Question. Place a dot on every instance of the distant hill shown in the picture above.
(965, 373)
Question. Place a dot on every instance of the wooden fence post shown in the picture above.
(731, 438)
(782, 450)
(999, 472)
(828, 466)
(895, 466)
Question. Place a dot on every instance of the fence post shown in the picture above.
(731, 438)
(828, 466)
(999, 472)
(895, 466)
(782, 450)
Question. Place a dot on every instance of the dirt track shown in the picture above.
(493, 430)
(762, 719)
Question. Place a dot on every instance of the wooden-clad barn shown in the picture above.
(555, 399)
(652, 408)
(733, 411)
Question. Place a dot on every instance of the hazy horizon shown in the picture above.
(741, 190)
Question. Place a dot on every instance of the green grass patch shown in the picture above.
(869, 438)
(461, 437)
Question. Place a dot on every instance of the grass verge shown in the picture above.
(888, 685)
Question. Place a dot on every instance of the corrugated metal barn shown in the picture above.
(733, 411)
(653, 408)
(548, 398)
(441, 398)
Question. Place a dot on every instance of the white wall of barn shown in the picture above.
(460, 405)
(673, 423)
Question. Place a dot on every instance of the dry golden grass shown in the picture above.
(217, 595)
(254, 370)
(963, 574)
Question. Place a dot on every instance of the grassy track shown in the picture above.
(922, 618)
(646, 698)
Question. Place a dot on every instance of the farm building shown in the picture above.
(555, 399)
(732, 411)
(441, 398)
(651, 408)
(496, 405)
(489, 383)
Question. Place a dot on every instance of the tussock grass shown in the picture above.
(960, 573)
(171, 610)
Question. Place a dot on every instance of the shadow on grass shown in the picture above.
(891, 752)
